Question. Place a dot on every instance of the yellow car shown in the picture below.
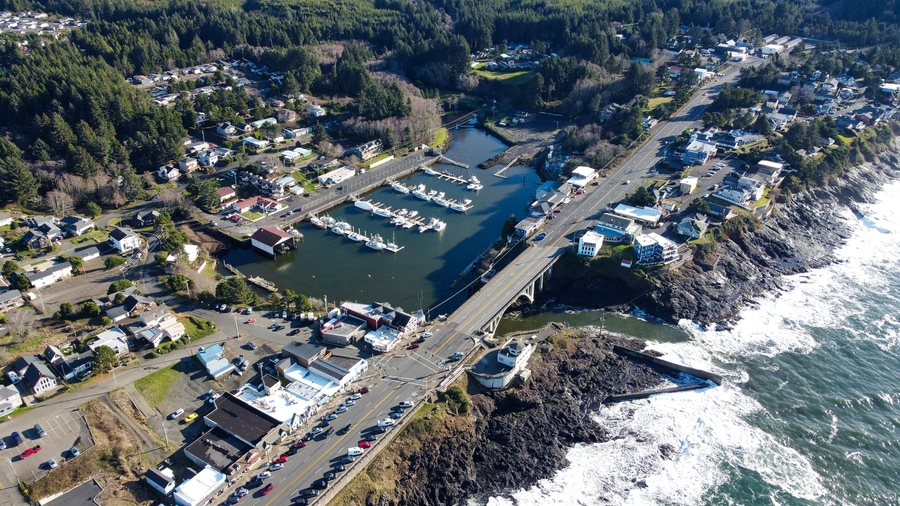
(190, 418)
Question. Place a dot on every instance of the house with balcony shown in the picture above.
(653, 248)
(168, 173)
(698, 152)
(590, 243)
(124, 239)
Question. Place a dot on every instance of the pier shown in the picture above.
(499, 173)
(444, 159)
(254, 280)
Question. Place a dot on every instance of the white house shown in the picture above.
(590, 243)
(734, 195)
(255, 143)
(688, 185)
(168, 173)
(124, 239)
(115, 338)
(692, 227)
(39, 378)
(654, 248)
(163, 480)
(316, 110)
(226, 129)
(337, 175)
(9, 400)
(698, 152)
(50, 275)
(208, 158)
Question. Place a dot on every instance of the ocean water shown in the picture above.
(809, 413)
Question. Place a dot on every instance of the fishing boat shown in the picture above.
(318, 223)
(402, 213)
(356, 237)
(409, 224)
(341, 228)
(474, 186)
(430, 172)
(375, 243)
(462, 207)
(419, 193)
(392, 246)
(488, 275)
(439, 200)
(412, 214)
(328, 221)
(400, 188)
(365, 205)
(439, 226)
(427, 225)
(381, 211)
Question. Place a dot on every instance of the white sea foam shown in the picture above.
(709, 428)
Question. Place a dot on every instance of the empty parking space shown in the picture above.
(62, 432)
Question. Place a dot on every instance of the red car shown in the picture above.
(250, 320)
(413, 346)
(364, 390)
(268, 488)
(280, 460)
(299, 444)
(29, 452)
(365, 444)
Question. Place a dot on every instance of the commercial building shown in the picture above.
(343, 330)
(581, 177)
(590, 243)
(653, 248)
(698, 152)
(250, 425)
(616, 229)
(272, 241)
(337, 176)
(199, 489)
(646, 215)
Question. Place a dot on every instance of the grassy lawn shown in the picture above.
(155, 387)
(516, 78)
(377, 159)
(197, 328)
(115, 221)
(657, 101)
(440, 137)
(250, 215)
(92, 237)
(845, 139)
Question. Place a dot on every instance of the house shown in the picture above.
(698, 152)
(769, 171)
(35, 239)
(116, 314)
(263, 204)
(590, 243)
(692, 227)
(654, 248)
(115, 338)
(755, 187)
(188, 164)
(226, 129)
(135, 303)
(124, 239)
(285, 115)
(580, 178)
(214, 360)
(324, 163)
(687, 185)
(272, 240)
(226, 193)
(145, 218)
(244, 128)
(646, 215)
(49, 276)
(16, 371)
(75, 225)
(365, 151)
(262, 123)
(208, 158)
(71, 367)
(528, 226)
(847, 122)
(9, 400)
(10, 300)
(163, 480)
(196, 147)
(609, 111)
(168, 173)
(734, 195)
(89, 253)
(39, 379)
(254, 143)
(616, 229)
(316, 110)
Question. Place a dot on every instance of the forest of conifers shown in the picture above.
(71, 115)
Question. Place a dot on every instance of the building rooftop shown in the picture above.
(240, 419)
(218, 448)
(199, 487)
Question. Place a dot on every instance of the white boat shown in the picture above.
(419, 193)
(400, 188)
(427, 225)
(356, 237)
(462, 207)
(439, 200)
(409, 224)
(392, 245)
(439, 226)
(474, 179)
(341, 228)
(365, 205)
(488, 275)
(328, 221)
(474, 186)
(375, 243)
(317, 222)
(430, 172)
(401, 213)
(381, 211)
(399, 221)
(412, 214)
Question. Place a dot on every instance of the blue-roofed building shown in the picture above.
(214, 360)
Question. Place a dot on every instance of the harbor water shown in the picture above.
(421, 274)
(809, 413)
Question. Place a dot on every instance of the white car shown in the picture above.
(263, 475)
(276, 467)
(355, 452)
(407, 404)
(176, 414)
(355, 397)
(427, 335)
(386, 422)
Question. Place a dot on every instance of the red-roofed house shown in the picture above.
(265, 205)
(225, 194)
(272, 240)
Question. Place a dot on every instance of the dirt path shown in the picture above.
(150, 448)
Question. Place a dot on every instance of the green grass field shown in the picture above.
(516, 78)
(657, 101)
(155, 387)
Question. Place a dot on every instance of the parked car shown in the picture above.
(299, 444)
(413, 346)
(356, 396)
(52, 464)
(294, 332)
(540, 237)
(320, 484)
(250, 320)
(370, 437)
(364, 390)
(241, 492)
(268, 488)
(378, 429)
(276, 467)
(251, 346)
(341, 409)
(30, 451)
(331, 417)
(338, 467)
(407, 404)
(40, 430)
(281, 460)
(2, 444)
(263, 476)
(17, 439)
(385, 422)
(329, 475)
(349, 402)
(365, 444)
(427, 335)
(396, 414)
(190, 418)
(178, 412)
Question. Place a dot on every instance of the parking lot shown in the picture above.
(63, 432)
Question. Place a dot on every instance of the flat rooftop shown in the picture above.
(235, 416)
(218, 448)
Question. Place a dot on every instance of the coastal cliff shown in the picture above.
(503, 440)
(799, 236)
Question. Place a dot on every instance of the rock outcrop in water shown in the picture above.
(799, 236)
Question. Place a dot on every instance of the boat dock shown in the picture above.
(499, 173)
(254, 280)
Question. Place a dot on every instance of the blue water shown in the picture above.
(809, 413)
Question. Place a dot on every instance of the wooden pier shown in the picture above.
(254, 280)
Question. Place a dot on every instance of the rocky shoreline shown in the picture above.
(509, 438)
(801, 235)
